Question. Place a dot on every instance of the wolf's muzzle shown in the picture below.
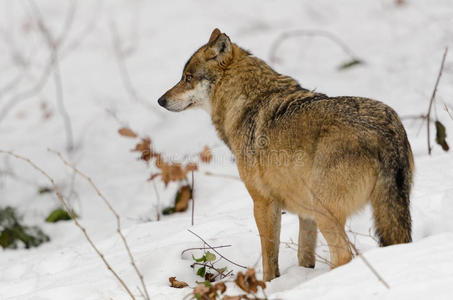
(162, 101)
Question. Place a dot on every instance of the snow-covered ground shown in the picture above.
(402, 48)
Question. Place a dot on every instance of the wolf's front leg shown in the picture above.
(268, 216)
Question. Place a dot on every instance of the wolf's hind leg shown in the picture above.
(308, 232)
(332, 228)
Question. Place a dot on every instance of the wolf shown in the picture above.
(322, 158)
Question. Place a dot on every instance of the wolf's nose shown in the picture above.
(162, 101)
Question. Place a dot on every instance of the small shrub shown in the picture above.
(13, 233)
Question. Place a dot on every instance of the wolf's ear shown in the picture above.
(214, 35)
(220, 44)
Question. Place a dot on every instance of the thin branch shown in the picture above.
(73, 217)
(124, 73)
(14, 82)
(321, 33)
(293, 246)
(433, 97)
(62, 108)
(448, 110)
(84, 33)
(158, 200)
(193, 199)
(54, 45)
(368, 264)
(32, 91)
(213, 249)
(363, 235)
(43, 78)
(203, 248)
(413, 117)
(117, 216)
(219, 272)
(345, 236)
(222, 175)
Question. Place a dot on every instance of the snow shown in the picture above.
(402, 49)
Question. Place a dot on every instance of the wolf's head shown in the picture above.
(200, 74)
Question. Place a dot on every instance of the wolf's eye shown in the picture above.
(188, 78)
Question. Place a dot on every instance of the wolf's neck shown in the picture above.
(248, 85)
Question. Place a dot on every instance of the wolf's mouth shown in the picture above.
(178, 109)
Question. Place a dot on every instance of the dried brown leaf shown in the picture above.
(248, 282)
(209, 277)
(200, 289)
(206, 155)
(144, 147)
(252, 282)
(220, 286)
(226, 297)
(240, 282)
(177, 284)
(127, 132)
(191, 167)
(154, 176)
(183, 197)
(172, 172)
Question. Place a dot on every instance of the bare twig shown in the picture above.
(313, 33)
(368, 264)
(203, 248)
(43, 78)
(14, 82)
(209, 266)
(158, 200)
(32, 91)
(328, 213)
(292, 245)
(193, 199)
(54, 45)
(62, 108)
(433, 97)
(448, 110)
(222, 175)
(8, 172)
(414, 117)
(74, 218)
(363, 235)
(124, 73)
(213, 249)
(84, 33)
(117, 216)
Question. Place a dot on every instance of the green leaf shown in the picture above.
(45, 190)
(201, 272)
(210, 256)
(441, 135)
(57, 215)
(222, 270)
(350, 64)
(168, 210)
(201, 259)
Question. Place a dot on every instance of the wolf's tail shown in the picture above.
(390, 197)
